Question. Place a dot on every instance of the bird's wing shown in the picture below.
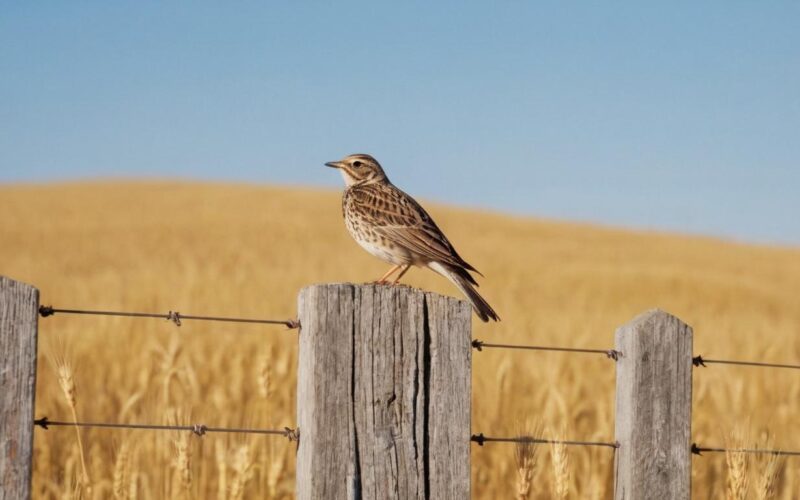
(398, 217)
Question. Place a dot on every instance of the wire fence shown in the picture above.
(198, 429)
(699, 450)
(697, 361)
(481, 439)
(174, 316)
(479, 345)
(701, 361)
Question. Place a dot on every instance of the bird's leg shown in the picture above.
(404, 271)
(382, 279)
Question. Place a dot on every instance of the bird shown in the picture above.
(391, 225)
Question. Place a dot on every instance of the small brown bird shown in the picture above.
(392, 226)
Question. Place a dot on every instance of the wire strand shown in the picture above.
(609, 353)
(199, 429)
(701, 361)
(699, 450)
(481, 439)
(695, 449)
(174, 316)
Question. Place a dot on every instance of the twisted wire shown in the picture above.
(198, 429)
(174, 316)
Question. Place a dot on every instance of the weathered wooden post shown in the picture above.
(654, 408)
(383, 393)
(19, 305)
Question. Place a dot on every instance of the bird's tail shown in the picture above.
(461, 278)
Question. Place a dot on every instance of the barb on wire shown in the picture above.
(699, 450)
(479, 345)
(701, 361)
(197, 429)
(481, 439)
(174, 316)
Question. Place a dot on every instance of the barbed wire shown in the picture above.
(695, 448)
(198, 429)
(699, 450)
(698, 361)
(481, 439)
(479, 345)
(174, 316)
(701, 361)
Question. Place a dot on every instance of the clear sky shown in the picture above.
(683, 116)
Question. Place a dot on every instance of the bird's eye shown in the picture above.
(357, 163)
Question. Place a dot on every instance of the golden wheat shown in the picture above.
(243, 468)
(737, 462)
(246, 251)
(264, 377)
(121, 478)
(560, 460)
(771, 467)
(276, 468)
(768, 481)
(221, 456)
(525, 455)
(66, 381)
(183, 463)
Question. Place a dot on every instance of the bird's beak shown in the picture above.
(334, 164)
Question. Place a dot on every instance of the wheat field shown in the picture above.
(243, 250)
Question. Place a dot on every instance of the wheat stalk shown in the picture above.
(182, 457)
(133, 490)
(66, 381)
(243, 467)
(264, 378)
(168, 361)
(525, 456)
(275, 473)
(121, 475)
(220, 454)
(560, 459)
(769, 477)
(183, 462)
(736, 462)
(770, 473)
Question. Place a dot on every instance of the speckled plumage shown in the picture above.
(392, 226)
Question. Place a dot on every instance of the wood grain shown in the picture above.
(383, 397)
(19, 304)
(653, 408)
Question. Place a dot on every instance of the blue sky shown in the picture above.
(683, 116)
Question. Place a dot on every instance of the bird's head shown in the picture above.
(359, 169)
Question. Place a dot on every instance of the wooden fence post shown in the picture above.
(654, 408)
(383, 393)
(19, 304)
